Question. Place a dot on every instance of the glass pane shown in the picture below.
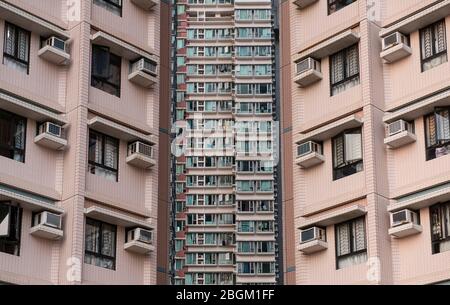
(353, 147)
(108, 240)
(343, 239)
(111, 152)
(92, 237)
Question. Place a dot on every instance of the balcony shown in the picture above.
(54, 50)
(304, 3)
(145, 4)
(143, 73)
(308, 72)
(51, 136)
(399, 133)
(309, 154)
(141, 155)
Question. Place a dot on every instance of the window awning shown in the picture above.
(333, 217)
(330, 46)
(418, 20)
(115, 217)
(120, 47)
(30, 22)
(30, 201)
(422, 199)
(419, 108)
(117, 130)
(330, 130)
(28, 109)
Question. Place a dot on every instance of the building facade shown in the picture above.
(224, 202)
(80, 121)
(365, 100)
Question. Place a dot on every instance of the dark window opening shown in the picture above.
(440, 227)
(10, 228)
(351, 243)
(437, 133)
(16, 47)
(344, 69)
(106, 70)
(103, 155)
(336, 5)
(347, 154)
(12, 136)
(100, 244)
(433, 45)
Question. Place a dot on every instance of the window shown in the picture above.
(16, 49)
(437, 132)
(347, 154)
(344, 69)
(10, 228)
(336, 5)
(440, 227)
(351, 243)
(12, 136)
(114, 6)
(106, 70)
(100, 244)
(246, 268)
(103, 155)
(433, 43)
(179, 244)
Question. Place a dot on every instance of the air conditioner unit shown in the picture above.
(404, 217)
(398, 127)
(307, 65)
(308, 148)
(314, 233)
(144, 65)
(393, 40)
(48, 219)
(140, 235)
(56, 43)
(51, 128)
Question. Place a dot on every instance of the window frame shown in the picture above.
(100, 243)
(344, 64)
(435, 242)
(115, 5)
(8, 240)
(14, 118)
(352, 234)
(16, 45)
(101, 80)
(93, 163)
(337, 2)
(435, 55)
(355, 163)
(427, 136)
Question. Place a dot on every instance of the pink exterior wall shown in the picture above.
(387, 173)
(62, 175)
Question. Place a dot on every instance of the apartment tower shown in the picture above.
(80, 134)
(224, 170)
(365, 108)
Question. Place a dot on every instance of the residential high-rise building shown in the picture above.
(80, 121)
(224, 173)
(365, 99)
